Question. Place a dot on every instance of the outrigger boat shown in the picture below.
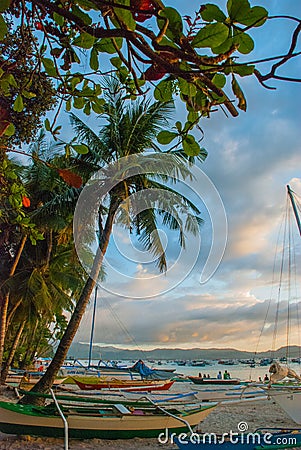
(127, 385)
(217, 381)
(98, 421)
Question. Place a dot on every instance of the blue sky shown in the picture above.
(251, 159)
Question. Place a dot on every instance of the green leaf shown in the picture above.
(175, 25)
(47, 125)
(164, 91)
(81, 149)
(257, 17)
(4, 5)
(49, 67)
(242, 70)
(86, 4)
(116, 62)
(192, 116)
(237, 9)
(242, 103)
(58, 19)
(11, 80)
(83, 16)
(28, 95)
(68, 105)
(190, 146)
(211, 35)
(84, 40)
(3, 27)
(165, 137)
(78, 102)
(18, 104)
(212, 12)
(245, 42)
(87, 108)
(10, 130)
(94, 59)
(187, 88)
(219, 80)
(106, 45)
(179, 126)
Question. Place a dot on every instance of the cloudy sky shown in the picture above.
(251, 159)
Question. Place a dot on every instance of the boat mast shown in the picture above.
(290, 193)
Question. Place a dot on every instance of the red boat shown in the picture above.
(126, 385)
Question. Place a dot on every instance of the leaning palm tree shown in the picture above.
(130, 129)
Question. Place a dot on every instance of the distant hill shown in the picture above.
(81, 351)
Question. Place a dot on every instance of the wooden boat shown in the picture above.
(104, 422)
(268, 438)
(217, 381)
(127, 385)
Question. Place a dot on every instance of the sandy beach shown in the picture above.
(223, 419)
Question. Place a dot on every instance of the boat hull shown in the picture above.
(215, 381)
(129, 386)
(289, 401)
(25, 419)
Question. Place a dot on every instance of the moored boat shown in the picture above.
(217, 381)
(113, 422)
(128, 385)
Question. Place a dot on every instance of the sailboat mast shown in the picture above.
(290, 193)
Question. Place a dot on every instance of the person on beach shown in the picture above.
(226, 375)
(266, 377)
(219, 375)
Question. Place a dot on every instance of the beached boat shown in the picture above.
(289, 399)
(104, 422)
(128, 385)
(216, 381)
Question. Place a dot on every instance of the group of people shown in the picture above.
(225, 376)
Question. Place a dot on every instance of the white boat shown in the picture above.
(289, 399)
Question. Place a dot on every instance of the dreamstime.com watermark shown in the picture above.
(241, 437)
(180, 180)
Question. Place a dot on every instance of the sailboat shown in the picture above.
(287, 397)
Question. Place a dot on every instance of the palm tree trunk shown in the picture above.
(4, 301)
(12, 352)
(45, 383)
(12, 312)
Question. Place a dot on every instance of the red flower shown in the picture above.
(25, 201)
(142, 5)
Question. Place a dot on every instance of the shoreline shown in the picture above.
(223, 419)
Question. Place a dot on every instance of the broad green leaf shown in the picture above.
(237, 91)
(125, 16)
(211, 35)
(116, 62)
(246, 43)
(18, 104)
(106, 45)
(81, 149)
(83, 16)
(212, 12)
(49, 67)
(11, 79)
(179, 126)
(238, 8)
(175, 25)
(86, 4)
(29, 95)
(187, 88)
(225, 46)
(4, 5)
(78, 102)
(164, 91)
(84, 40)
(94, 64)
(255, 17)
(87, 108)
(193, 116)
(242, 70)
(219, 80)
(165, 137)
(190, 146)
(165, 41)
(58, 19)
(47, 125)
(10, 130)
(68, 105)
(3, 27)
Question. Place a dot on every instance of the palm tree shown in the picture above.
(130, 129)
